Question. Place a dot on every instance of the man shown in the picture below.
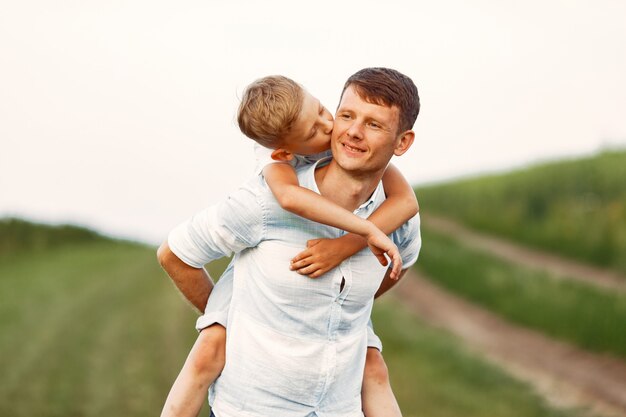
(296, 346)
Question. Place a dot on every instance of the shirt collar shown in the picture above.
(307, 179)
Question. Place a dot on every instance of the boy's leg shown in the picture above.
(203, 365)
(376, 394)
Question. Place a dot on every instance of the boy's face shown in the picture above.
(310, 133)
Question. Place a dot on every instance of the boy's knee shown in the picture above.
(375, 367)
(210, 350)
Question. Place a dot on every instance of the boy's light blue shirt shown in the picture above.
(263, 158)
(296, 346)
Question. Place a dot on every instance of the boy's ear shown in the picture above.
(282, 155)
(405, 142)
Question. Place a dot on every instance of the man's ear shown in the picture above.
(405, 142)
(282, 155)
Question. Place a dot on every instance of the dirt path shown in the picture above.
(557, 266)
(565, 375)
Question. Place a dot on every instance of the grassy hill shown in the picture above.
(17, 235)
(575, 208)
(88, 326)
(92, 327)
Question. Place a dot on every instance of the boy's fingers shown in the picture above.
(302, 255)
(300, 263)
(394, 273)
(397, 266)
(317, 273)
(306, 270)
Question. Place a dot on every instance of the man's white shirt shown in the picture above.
(295, 346)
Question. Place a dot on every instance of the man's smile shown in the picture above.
(352, 148)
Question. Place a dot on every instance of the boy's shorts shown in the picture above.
(219, 302)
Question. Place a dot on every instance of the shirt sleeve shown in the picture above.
(409, 241)
(229, 226)
(263, 158)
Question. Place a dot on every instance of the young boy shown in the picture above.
(294, 128)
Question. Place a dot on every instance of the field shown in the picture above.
(433, 374)
(89, 330)
(575, 208)
(93, 327)
(528, 229)
(586, 316)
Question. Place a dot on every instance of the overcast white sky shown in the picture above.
(120, 114)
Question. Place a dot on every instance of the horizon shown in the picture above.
(109, 234)
(121, 115)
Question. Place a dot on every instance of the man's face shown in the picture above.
(365, 135)
(311, 131)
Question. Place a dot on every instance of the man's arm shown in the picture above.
(194, 283)
(220, 230)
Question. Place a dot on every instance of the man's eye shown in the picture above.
(375, 125)
(344, 116)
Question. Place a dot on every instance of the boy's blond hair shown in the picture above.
(268, 109)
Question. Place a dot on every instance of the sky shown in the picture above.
(120, 115)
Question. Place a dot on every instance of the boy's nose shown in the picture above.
(328, 126)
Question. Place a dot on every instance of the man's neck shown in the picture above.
(347, 189)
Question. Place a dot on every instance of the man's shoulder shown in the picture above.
(306, 173)
(250, 197)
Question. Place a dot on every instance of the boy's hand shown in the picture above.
(322, 255)
(380, 244)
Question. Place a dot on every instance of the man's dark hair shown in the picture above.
(388, 87)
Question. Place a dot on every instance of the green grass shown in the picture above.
(96, 329)
(433, 375)
(89, 330)
(586, 316)
(575, 208)
(17, 235)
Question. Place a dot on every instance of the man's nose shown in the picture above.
(355, 130)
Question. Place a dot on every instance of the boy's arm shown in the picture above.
(400, 205)
(283, 182)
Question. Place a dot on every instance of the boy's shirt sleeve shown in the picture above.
(409, 241)
(220, 230)
(263, 157)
